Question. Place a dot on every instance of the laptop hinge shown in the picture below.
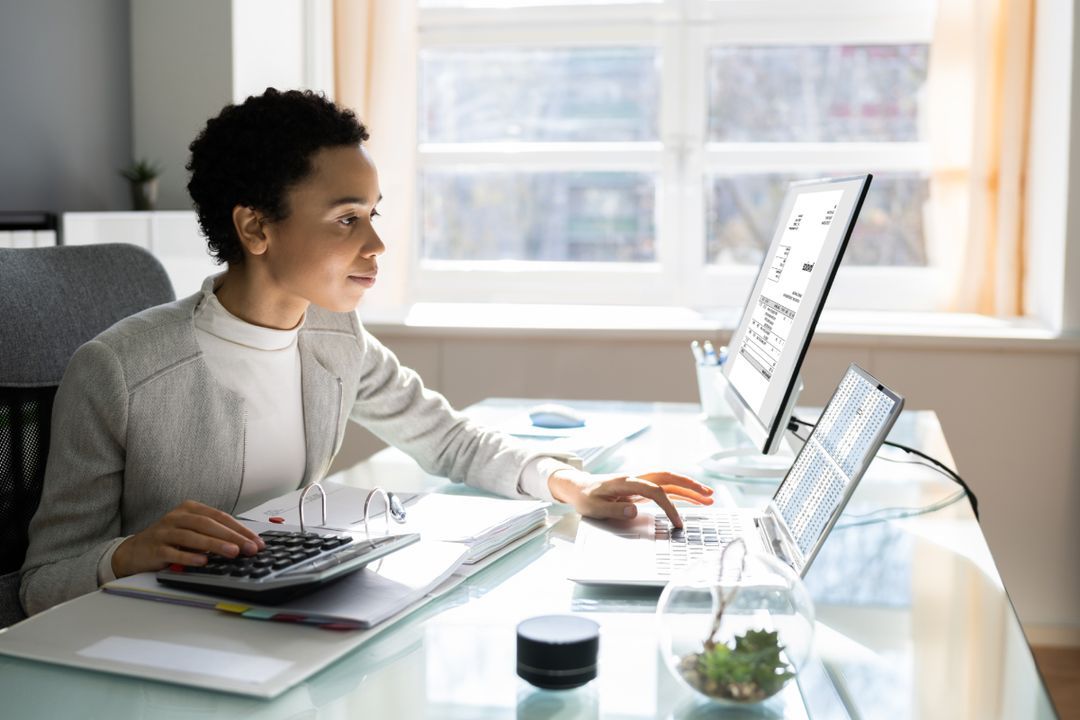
(774, 535)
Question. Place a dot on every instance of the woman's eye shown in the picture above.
(375, 213)
(348, 220)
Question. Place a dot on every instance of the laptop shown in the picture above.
(648, 550)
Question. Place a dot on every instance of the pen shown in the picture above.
(711, 358)
(699, 356)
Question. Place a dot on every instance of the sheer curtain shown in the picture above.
(979, 105)
(375, 75)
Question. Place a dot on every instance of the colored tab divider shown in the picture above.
(265, 614)
(322, 623)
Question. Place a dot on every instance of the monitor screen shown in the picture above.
(768, 347)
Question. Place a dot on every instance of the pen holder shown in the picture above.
(712, 386)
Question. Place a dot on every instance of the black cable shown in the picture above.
(794, 422)
(887, 514)
(959, 480)
(895, 513)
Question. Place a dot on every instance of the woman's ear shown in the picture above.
(250, 229)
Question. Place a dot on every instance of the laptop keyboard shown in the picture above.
(700, 535)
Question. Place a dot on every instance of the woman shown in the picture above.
(175, 418)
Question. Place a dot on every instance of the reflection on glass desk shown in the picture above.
(913, 620)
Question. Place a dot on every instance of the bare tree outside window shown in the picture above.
(741, 218)
(580, 95)
(816, 93)
(578, 217)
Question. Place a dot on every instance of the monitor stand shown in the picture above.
(747, 462)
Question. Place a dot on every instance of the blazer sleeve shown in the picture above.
(394, 405)
(78, 518)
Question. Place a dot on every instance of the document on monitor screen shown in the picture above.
(789, 274)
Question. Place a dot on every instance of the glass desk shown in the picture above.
(913, 620)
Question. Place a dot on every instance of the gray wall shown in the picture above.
(65, 104)
(183, 75)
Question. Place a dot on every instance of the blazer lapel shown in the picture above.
(322, 412)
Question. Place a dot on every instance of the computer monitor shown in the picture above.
(778, 321)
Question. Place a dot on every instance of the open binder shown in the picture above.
(457, 533)
(359, 600)
(481, 524)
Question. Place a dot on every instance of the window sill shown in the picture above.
(837, 327)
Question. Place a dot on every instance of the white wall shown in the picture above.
(1071, 266)
(268, 46)
(1052, 215)
(180, 74)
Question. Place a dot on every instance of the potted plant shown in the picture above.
(752, 670)
(143, 175)
(736, 637)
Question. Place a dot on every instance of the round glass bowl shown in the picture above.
(739, 636)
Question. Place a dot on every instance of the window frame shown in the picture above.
(681, 31)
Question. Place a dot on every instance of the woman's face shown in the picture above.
(325, 250)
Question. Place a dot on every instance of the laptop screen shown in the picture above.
(823, 476)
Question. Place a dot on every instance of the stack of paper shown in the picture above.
(482, 524)
(359, 600)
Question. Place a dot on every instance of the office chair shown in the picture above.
(52, 300)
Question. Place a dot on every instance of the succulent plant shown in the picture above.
(141, 170)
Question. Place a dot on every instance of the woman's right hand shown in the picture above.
(184, 536)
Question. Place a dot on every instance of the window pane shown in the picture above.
(816, 93)
(505, 215)
(741, 217)
(593, 94)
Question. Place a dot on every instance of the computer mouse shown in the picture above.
(553, 415)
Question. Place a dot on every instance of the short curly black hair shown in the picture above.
(252, 153)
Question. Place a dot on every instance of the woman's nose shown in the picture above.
(373, 245)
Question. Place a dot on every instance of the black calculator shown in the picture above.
(292, 563)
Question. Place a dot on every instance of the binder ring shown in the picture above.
(322, 495)
(394, 509)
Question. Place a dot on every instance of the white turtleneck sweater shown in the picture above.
(262, 366)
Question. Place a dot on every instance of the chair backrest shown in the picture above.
(52, 300)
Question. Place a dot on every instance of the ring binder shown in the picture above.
(394, 508)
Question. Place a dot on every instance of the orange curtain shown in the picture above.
(353, 45)
(375, 59)
(979, 108)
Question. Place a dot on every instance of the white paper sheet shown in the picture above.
(232, 666)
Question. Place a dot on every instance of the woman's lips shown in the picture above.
(366, 281)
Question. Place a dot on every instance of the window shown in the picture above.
(637, 153)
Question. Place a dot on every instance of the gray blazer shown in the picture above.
(139, 425)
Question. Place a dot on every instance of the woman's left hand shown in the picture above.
(614, 496)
